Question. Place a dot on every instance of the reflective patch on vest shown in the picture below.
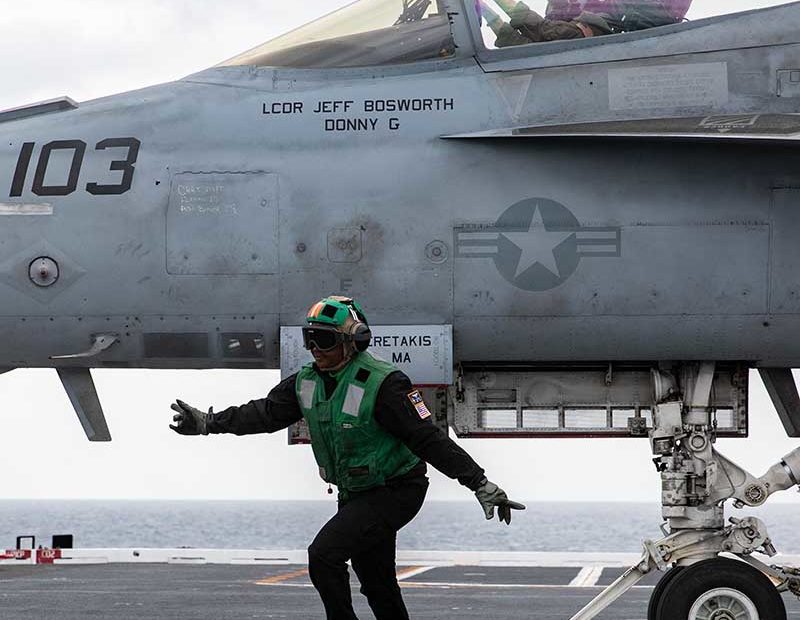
(416, 400)
(307, 388)
(352, 402)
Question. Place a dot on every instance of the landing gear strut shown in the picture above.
(696, 482)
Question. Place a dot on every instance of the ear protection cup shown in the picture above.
(361, 334)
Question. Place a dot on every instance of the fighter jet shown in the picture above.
(593, 237)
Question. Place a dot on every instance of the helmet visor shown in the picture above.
(322, 338)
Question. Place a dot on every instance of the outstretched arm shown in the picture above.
(277, 411)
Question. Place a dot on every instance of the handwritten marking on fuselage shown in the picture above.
(202, 199)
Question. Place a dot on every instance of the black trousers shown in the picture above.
(364, 531)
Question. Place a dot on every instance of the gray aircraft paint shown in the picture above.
(697, 259)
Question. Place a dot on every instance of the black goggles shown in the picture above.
(322, 338)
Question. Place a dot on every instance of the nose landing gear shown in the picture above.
(697, 482)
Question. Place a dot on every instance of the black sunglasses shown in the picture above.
(322, 338)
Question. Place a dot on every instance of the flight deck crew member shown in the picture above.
(371, 437)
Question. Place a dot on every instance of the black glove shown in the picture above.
(490, 495)
(188, 420)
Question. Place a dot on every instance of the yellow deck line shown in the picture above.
(277, 579)
(303, 572)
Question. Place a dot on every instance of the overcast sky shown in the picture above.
(90, 48)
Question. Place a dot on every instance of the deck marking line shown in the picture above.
(587, 577)
(412, 571)
(453, 584)
(279, 579)
(434, 585)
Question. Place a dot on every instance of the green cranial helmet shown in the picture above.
(336, 311)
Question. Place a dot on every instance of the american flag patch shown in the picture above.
(422, 409)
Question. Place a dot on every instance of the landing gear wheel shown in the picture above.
(720, 589)
(658, 592)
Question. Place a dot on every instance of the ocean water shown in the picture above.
(576, 527)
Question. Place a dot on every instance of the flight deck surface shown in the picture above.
(218, 592)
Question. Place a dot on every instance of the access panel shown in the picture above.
(223, 223)
(613, 400)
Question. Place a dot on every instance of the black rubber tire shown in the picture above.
(683, 591)
(658, 592)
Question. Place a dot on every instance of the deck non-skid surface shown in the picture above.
(220, 592)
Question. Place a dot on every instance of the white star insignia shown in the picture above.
(538, 245)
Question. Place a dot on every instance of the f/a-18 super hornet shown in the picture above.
(592, 236)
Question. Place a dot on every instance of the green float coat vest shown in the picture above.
(352, 450)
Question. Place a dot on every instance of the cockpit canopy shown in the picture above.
(510, 23)
(365, 33)
(392, 32)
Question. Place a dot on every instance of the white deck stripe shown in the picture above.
(587, 577)
(443, 584)
(505, 586)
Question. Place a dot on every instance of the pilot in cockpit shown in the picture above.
(575, 19)
(527, 26)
